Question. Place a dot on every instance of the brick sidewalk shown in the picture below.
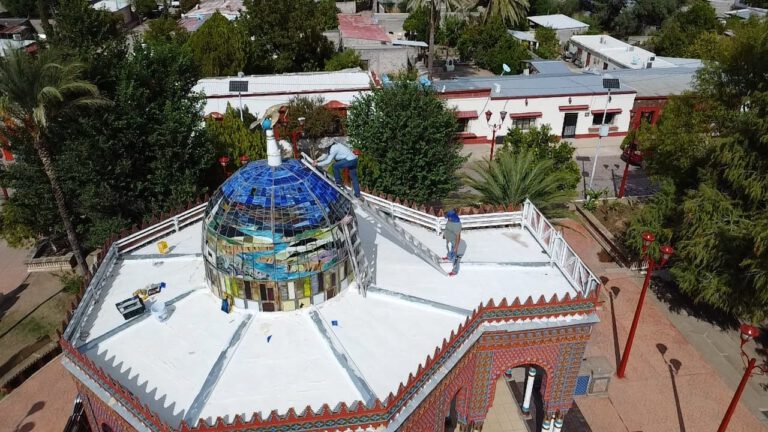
(650, 398)
(43, 403)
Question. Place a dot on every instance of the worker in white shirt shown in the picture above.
(341, 157)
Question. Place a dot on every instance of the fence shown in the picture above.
(560, 253)
(162, 229)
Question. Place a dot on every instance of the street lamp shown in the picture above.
(244, 160)
(224, 161)
(666, 253)
(495, 127)
(748, 332)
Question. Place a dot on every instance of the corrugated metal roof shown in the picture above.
(522, 35)
(658, 82)
(361, 27)
(288, 83)
(530, 85)
(557, 21)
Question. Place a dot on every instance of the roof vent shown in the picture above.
(602, 39)
(498, 87)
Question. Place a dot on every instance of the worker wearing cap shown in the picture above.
(341, 157)
(452, 234)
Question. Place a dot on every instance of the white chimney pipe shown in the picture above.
(274, 158)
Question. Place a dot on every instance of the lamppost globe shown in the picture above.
(648, 239)
(666, 253)
(748, 332)
(301, 121)
(503, 115)
(488, 115)
(244, 159)
(224, 161)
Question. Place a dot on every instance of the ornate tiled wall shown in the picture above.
(557, 352)
(101, 417)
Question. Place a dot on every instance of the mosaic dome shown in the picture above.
(273, 237)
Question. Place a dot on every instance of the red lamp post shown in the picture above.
(495, 127)
(666, 252)
(224, 161)
(244, 160)
(748, 332)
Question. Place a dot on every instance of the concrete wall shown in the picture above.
(596, 61)
(384, 58)
(391, 22)
(551, 114)
(564, 35)
(347, 7)
(334, 36)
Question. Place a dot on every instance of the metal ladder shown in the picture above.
(359, 261)
(384, 219)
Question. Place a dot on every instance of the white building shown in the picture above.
(563, 25)
(571, 104)
(121, 8)
(267, 91)
(603, 52)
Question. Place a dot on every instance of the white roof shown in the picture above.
(419, 44)
(557, 21)
(111, 5)
(265, 91)
(523, 35)
(619, 52)
(204, 363)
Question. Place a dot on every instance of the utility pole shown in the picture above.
(609, 84)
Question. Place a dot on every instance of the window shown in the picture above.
(462, 125)
(598, 118)
(524, 123)
(248, 292)
(647, 116)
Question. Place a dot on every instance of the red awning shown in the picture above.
(574, 107)
(334, 104)
(466, 114)
(525, 115)
(610, 111)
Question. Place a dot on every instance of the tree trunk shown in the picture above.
(58, 195)
(431, 57)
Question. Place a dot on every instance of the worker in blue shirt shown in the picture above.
(341, 157)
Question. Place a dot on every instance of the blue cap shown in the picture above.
(452, 216)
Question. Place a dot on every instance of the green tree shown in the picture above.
(218, 47)
(549, 45)
(273, 44)
(328, 14)
(165, 29)
(414, 160)
(709, 153)
(508, 11)
(546, 145)
(490, 46)
(450, 30)
(513, 177)
(21, 8)
(680, 31)
(348, 58)
(144, 7)
(232, 137)
(417, 24)
(35, 93)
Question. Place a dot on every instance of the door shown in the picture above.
(569, 125)
(589, 58)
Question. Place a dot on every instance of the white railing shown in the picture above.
(436, 223)
(560, 253)
(161, 229)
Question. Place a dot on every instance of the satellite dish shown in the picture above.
(506, 68)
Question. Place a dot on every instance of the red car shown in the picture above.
(632, 155)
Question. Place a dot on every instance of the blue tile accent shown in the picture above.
(582, 385)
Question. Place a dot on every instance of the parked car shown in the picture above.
(632, 155)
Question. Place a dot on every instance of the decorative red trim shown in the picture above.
(535, 114)
(660, 98)
(475, 140)
(610, 111)
(353, 89)
(464, 94)
(467, 114)
(573, 107)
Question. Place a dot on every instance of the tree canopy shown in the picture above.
(412, 159)
(679, 33)
(709, 153)
(348, 58)
(218, 47)
(549, 45)
(490, 46)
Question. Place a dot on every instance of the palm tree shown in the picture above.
(35, 92)
(511, 178)
(510, 11)
(434, 7)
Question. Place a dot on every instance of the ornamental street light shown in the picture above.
(244, 160)
(494, 127)
(224, 161)
(666, 253)
(748, 332)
